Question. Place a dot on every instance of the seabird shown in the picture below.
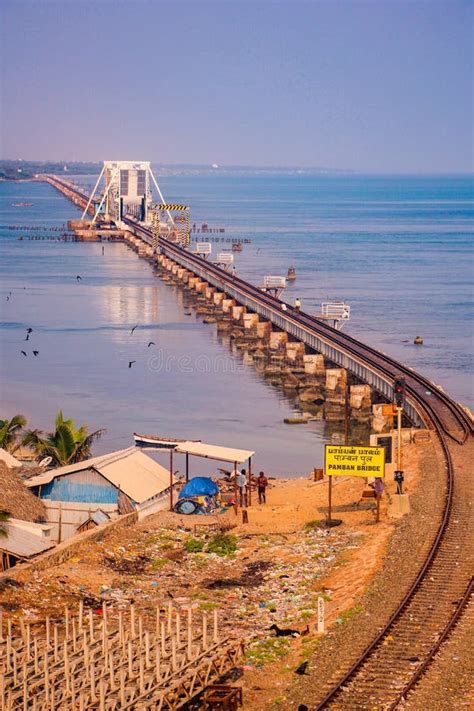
(131, 332)
(35, 353)
(131, 362)
(27, 337)
(25, 354)
(29, 330)
(152, 343)
(79, 278)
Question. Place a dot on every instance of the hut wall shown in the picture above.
(85, 486)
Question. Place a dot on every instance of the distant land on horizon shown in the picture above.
(20, 169)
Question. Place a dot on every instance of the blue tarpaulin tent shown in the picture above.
(198, 486)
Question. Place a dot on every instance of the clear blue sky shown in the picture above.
(382, 86)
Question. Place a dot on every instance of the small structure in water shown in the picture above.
(237, 247)
(291, 276)
(418, 341)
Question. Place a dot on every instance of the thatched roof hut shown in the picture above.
(17, 499)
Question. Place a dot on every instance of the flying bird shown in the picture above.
(29, 330)
(151, 343)
(78, 278)
(131, 362)
(131, 332)
(27, 337)
(8, 298)
(25, 354)
(35, 353)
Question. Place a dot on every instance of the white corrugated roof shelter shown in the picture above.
(9, 459)
(212, 451)
(25, 539)
(130, 470)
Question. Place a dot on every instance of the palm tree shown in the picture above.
(4, 518)
(9, 431)
(66, 445)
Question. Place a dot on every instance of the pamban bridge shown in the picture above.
(127, 204)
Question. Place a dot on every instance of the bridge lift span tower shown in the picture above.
(126, 189)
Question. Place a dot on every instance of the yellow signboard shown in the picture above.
(354, 461)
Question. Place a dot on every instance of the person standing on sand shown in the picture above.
(242, 484)
(262, 483)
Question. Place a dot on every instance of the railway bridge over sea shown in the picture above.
(436, 598)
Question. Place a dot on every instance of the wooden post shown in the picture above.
(190, 632)
(130, 659)
(122, 687)
(141, 675)
(132, 620)
(216, 634)
(81, 613)
(187, 466)
(48, 634)
(55, 636)
(204, 630)
(178, 630)
(249, 495)
(147, 650)
(157, 663)
(236, 492)
(140, 631)
(66, 666)
(170, 614)
(157, 628)
(91, 626)
(171, 479)
(329, 498)
(163, 639)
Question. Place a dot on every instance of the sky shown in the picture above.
(382, 86)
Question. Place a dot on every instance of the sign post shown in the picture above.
(341, 460)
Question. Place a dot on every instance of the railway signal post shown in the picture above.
(399, 390)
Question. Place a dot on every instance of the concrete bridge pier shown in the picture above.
(335, 404)
(360, 402)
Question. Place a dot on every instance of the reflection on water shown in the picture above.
(396, 249)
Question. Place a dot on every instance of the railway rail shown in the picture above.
(406, 644)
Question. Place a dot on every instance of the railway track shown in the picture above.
(406, 644)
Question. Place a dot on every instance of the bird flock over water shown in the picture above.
(36, 353)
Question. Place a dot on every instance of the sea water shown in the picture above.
(397, 249)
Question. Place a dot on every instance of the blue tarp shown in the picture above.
(198, 486)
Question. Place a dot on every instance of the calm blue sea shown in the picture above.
(398, 249)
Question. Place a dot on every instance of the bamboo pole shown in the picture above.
(216, 634)
(141, 675)
(91, 625)
(122, 687)
(190, 632)
(81, 614)
(178, 631)
(147, 650)
(204, 630)
(132, 621)
(157, 663)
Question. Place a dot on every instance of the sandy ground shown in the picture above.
(284, 561)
